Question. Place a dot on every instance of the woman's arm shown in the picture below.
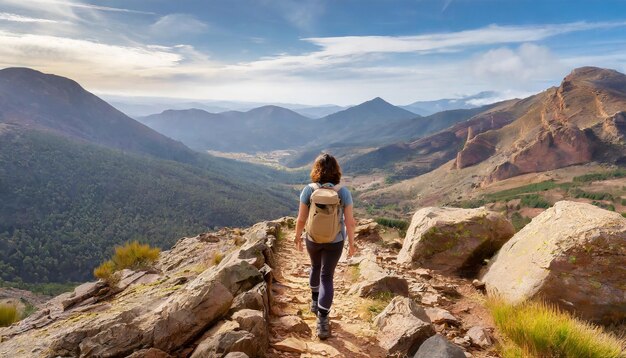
(303, 214)
(350, 227)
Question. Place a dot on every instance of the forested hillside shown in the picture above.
(65, 204)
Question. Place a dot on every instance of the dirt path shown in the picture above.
(352, 335)
(292, 325)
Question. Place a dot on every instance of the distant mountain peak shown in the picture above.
(377, 100)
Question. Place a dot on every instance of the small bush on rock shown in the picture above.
(132, 255)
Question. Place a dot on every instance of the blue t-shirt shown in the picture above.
(346, 199)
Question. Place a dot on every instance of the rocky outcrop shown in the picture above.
(403, 327)
(452, 239)
(573, 255)
(474, 151)
(438, 346)
(190, 305)
(374, 280)
(552, 148)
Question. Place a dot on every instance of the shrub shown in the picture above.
(132, 255)
(393, 223)
(541, 330)
(105, 271)
(534, 201)
(593, 196)
(613, 174)
(8, 315)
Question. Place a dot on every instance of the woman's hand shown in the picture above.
(351, 249)
(298, 242)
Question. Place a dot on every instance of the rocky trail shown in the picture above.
(352, 336)
(453, 304)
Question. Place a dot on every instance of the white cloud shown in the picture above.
(348, 49)
(527, 62)
(6, 16)
(174, 25)
(74, 4)
(82, 55)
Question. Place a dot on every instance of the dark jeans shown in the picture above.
(324, 259)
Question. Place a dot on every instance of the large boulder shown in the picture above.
(374, 280)
(573, 255)
(454, 240)
(403, 327)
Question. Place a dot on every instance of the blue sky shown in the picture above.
(313, 52)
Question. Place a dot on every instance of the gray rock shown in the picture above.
(439, 316)
(572, 255)
(82, 292)
(438, 346)
(254, 299)
(254, 322)
(225, 338)
(375, 280)
(403, 327)
(454, 240)
(236, 355)
(294, 324)
(479, 337)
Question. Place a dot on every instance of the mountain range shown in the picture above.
(275, 128)
(78, 177)
(583, 120)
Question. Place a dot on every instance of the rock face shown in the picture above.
(475, 151)
(573, 255)
(438, 346)
(454, 240)
(579, 121)
(374, 280)
(554, 147)
(191, 306)
(403, 326)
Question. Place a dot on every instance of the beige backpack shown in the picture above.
(323, 223)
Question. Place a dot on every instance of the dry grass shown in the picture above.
(368, 308)
(132, 255)
(217, 258)
(538, 329)
(354, 273)
(8, 315)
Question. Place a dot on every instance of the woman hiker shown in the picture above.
(326, 216)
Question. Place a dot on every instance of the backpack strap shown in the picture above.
(315, 186)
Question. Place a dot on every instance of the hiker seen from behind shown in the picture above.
(325, 222)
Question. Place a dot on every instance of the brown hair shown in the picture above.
(326, 170)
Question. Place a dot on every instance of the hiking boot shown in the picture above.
(314, 308)
(323, 327)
